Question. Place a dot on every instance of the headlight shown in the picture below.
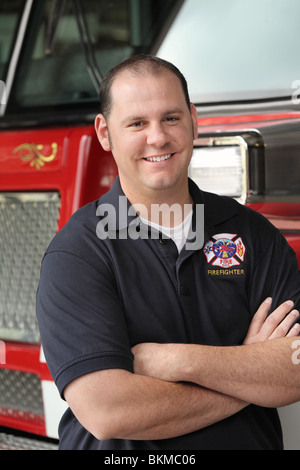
(220, 165)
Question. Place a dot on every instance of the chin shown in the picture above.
(163, 185)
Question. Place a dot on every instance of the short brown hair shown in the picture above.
(138, 65)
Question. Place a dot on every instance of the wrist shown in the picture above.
(185, 362)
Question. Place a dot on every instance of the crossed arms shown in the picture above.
(179, 388)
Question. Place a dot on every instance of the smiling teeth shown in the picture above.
(159, 159)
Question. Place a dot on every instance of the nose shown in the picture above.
(157, 135)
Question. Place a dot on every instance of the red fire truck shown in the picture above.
(240, 60)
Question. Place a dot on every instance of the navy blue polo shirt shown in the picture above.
(99, 296)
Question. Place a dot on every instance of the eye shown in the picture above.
(136, 124)
(172, 119)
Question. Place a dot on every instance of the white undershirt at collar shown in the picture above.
(178, 234)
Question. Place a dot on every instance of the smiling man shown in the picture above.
(148, 346)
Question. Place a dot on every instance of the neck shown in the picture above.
(162, 207)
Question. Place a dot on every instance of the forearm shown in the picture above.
(175, 409)
(120, 405)
(261, 373)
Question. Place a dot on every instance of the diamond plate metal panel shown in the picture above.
(28, 222)
(21, 392)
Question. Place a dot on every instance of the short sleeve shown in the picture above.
(81, 318)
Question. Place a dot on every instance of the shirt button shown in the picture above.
(184, 291)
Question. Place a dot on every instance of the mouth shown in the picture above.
(161, 158)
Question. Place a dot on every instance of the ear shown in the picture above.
(102, 132)
(194, 120)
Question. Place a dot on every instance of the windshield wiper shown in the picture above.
(57, 11)
(52, 27)
(87, 45)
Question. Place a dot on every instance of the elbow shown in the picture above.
(106, 425)
(100, 429)
(293, 396)
(102, 433)
(282, 398)
(106, 432)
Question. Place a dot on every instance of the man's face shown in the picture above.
(150, 132)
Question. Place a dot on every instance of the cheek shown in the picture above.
(129, 140)
(184, 138)
(126, 152)
(132, 147)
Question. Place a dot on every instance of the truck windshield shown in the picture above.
(71, 44)
(229, 50)
(236, 50)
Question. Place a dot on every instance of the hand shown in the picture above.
(277, 325)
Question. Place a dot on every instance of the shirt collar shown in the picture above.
(216, 209)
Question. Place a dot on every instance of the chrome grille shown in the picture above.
(11, 442)
(28, 222)
(21, 395)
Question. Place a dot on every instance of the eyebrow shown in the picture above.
(141, 118)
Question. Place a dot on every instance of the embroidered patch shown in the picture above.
(225, 250)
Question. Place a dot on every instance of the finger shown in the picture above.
(294, 331)
(286, 326)
(259, 317)
(275, 318)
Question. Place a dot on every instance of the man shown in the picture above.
(150, 342)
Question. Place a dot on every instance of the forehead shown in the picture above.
(131, 89)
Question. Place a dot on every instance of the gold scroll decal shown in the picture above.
(33, 153)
